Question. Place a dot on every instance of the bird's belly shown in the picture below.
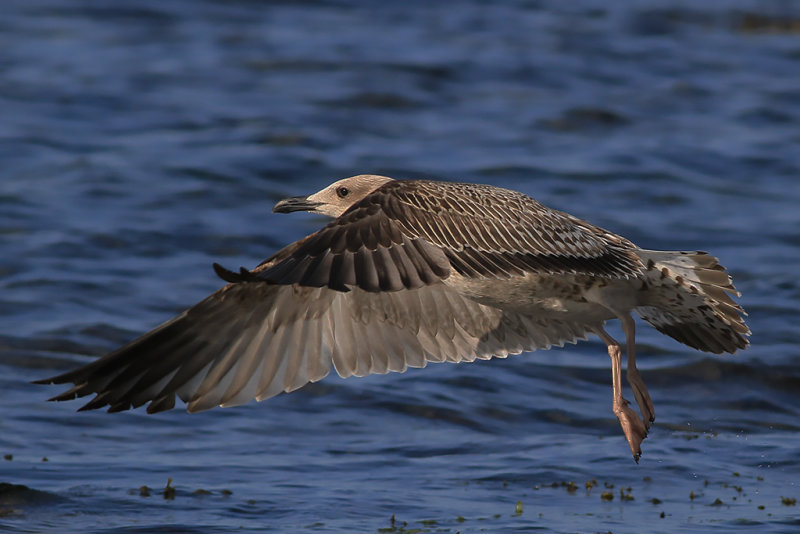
(563, 297)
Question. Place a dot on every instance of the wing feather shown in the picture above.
(255, 339)
(407, 234)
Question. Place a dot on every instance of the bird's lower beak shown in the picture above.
(289, 205)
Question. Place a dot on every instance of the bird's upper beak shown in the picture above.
(288, 205)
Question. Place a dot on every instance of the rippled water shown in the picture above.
(141, 141)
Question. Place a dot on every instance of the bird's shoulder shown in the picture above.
(489, 218)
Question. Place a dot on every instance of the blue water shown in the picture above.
(142, 141)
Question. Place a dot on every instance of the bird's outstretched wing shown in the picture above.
(365, 294)
(257, 339)
(409, 234)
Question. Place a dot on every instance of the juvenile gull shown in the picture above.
(411, 272)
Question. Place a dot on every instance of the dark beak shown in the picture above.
(288, 205)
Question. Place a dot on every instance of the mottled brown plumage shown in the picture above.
(411, 233)
(411, 272)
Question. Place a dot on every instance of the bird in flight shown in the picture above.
(417, 271)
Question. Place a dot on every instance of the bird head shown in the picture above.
(336, 198)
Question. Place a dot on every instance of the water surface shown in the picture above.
(142, 141)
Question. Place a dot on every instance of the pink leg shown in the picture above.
(634, 378)
(632, 426)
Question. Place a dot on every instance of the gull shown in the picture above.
(411, 272)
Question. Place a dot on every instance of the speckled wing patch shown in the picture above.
(490, 231)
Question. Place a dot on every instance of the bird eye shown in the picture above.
(342, 192)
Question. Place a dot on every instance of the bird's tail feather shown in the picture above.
(688, 297)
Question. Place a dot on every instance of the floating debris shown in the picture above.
(169, 490)
(760, 23)
(401, 527)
